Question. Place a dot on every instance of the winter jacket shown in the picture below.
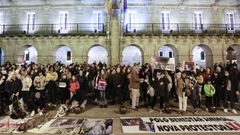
(26, 83)
(13, 86)
(40, 82)
(209, 90)
(73, 86)
(181, 87)
(51, 76)
(134, 80)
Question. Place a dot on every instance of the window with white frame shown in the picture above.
(1, 23)
(130, 19)
(31, 21)
(198, 21)
(63, 21)
(165, 20)
(98, 21)
(230, 21)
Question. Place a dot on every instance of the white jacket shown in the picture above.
(26, 83)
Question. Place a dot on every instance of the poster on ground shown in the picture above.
(75, 126)
(9, 125)
(188, 124)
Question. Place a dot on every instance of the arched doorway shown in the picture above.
(97, 54)
(169, 51)
(202, 56)
(131, 55)
(233, 54)
(27, 54)
(63, 54)
(1, 56)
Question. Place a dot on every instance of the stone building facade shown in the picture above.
(121, 31)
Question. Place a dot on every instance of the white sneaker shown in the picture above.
(151, 111)
(234, 111)
(225, 110)
(207, 109)
(32, 114)
(40, 113)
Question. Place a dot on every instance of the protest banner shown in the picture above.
(188, 124)
(75, 126)
(189, 65)
(163, 63)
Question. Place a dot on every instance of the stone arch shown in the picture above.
(132, 54)
(233, 53)
(202, 56)
(169, 51)
(62, 54)
(1, 56)
(28, 54)
(97, 53)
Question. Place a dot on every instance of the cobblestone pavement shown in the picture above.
(93, 111)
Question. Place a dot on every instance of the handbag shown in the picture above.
(151, 91)
(102, 85)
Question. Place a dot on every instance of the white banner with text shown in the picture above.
(186, 124)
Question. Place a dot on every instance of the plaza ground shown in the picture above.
(94, 111)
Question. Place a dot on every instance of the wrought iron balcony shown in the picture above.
(53, 29)
(180, 29)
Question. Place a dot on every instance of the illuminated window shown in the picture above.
(31, 21)
(230, 21)
(198, 21)
(97, 20)
(63, 21)
(165, 20)
(1, 23)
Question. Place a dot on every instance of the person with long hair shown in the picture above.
(100, 85)
(52, 77)
(183, 91)
(73, 86)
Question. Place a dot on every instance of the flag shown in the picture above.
(125, 5)
(108, 6)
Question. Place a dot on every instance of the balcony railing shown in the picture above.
(50, 29)
(180, 29)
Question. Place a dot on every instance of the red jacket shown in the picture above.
(73, 86)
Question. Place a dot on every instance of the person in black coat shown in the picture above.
(118, 81)
(13, 87)
(235, 81)
(228, 93)
(144, 85)
(83, 91)
(161, 90)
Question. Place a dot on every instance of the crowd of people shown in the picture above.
(34, 86)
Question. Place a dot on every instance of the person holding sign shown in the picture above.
(183, 91)
(100, 85)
